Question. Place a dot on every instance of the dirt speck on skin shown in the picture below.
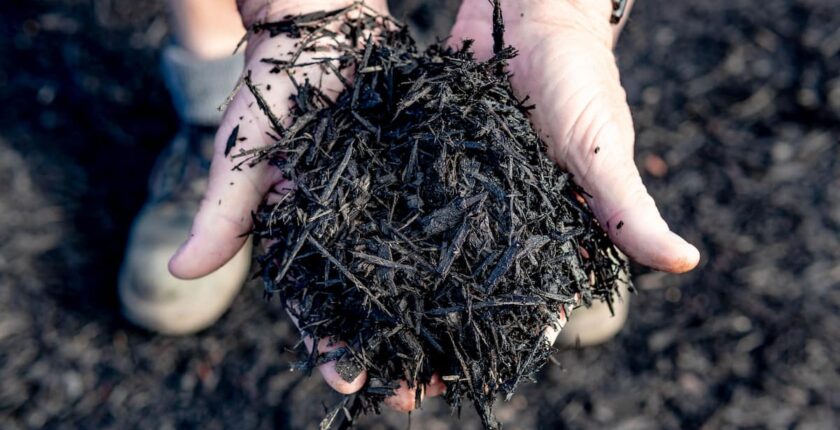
(753, 183)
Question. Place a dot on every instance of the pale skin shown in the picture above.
(566, 65)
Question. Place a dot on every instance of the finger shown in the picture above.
(224, 217)
(328, 370)
(624, 207)
(330, 373)
(435, 387)
(551, 332)
(404, 398)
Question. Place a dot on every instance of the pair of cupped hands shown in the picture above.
(565, 65)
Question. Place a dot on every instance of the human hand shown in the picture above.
(224, 218)
(567, 68)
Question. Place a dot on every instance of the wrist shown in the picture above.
(254, 11)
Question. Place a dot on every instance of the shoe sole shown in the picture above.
(187, 313)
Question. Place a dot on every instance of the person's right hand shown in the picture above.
(567, 68)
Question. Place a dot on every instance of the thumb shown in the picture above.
(221, 226)
(624, 207)
(223, 221)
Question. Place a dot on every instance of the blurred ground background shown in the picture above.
(737, 107)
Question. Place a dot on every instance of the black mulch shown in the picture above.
(737, 107)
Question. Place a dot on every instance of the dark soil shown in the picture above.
(737, 106)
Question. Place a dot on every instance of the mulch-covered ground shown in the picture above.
(737, 107)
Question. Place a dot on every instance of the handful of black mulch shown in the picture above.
(427, 228)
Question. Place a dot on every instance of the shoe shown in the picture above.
(596, 324)
(150, 296)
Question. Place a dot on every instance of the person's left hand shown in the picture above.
(224, 218)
